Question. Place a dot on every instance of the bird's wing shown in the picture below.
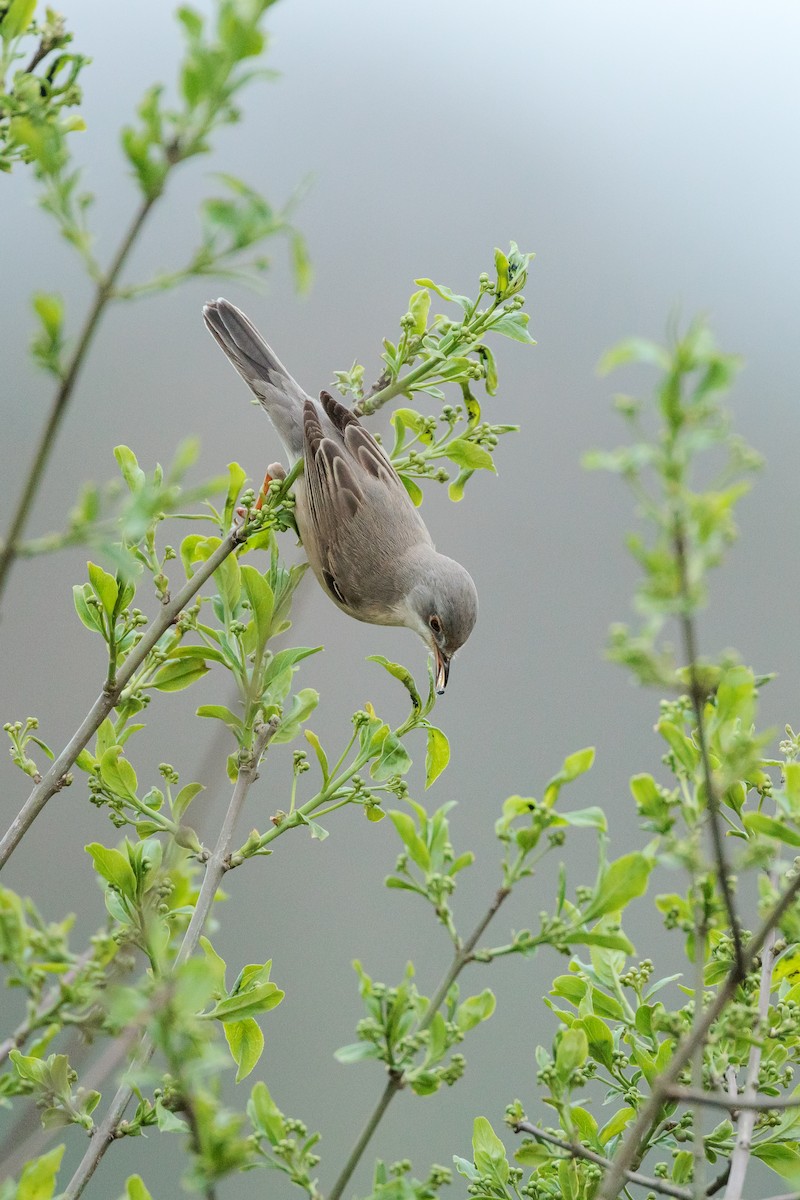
(359, 509)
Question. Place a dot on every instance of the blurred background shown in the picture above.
(648, 154)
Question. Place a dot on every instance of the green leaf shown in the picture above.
(601, 1041)
(16, 19)
(228, 578)
(414, 491)
(615, 1126)
(247, 1004)
(356, 1052)
(456, 489)
(403, 674)
(262, 603)
(117, 773)
(236, 477)
(215, 963)
(89, 616)
(132, 473)
(445, 293)
(621, 882)
(322, 757)
(184, 798)
(572, 1052)
(180, 674)
(514, 325)
(302, 706)
(634, 350)
(114, 868)
(475, 1009)
(394, 759)
(168, 1121)
(265, 1115)
(246, 1042)
(105, 587)
(405, 826)
(38, 1178)
(135, 1189)
(419, 307)
(49, 308)
(469, 455)
(574, 765)
(488, 1151)
(220, 713)
(682, 1166)
(781, 1157)
(437, 756)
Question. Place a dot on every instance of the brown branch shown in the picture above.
(698, 703)
(55, 777)
(742, 1103)
(631, 1146)
(47, 437)
(576, 1150)
(747, 1117)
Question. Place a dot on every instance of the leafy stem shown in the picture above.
(396, 1079)
(216, 867)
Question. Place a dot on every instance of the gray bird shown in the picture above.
(365, 540)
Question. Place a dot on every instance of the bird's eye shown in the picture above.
(436, 625)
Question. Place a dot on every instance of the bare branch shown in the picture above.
(747, 1117)
(54, 778)
(698, 702)
(575, 1150)
(47, 438)
(631, 1146)
(736, 1103)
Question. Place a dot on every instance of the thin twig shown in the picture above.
(104, 1134)
(47, 438)
(747, 1117)
(698, 1112)
(742, 1103)
(698, 702)
(576, 1150)
(630, 1147)
(396, 1080)
(46, 1009)
(54, 779)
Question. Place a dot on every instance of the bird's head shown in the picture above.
(442, 608)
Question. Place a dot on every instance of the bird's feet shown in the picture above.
(275, 470)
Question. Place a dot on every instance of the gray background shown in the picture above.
(648, 154)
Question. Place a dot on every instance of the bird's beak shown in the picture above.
(442, 670)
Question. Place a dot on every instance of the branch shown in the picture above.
(47, 1008)
(55, 778)
(396, 1079)
(631, 1146)
(734, 1104)
(105, 1133)
(575, 1150)
(47, 438)
(698, 702)
(747, 1117)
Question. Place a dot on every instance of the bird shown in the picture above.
(365, 540)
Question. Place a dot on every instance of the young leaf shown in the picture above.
(405, 826)
(437, 756)
(38, 1178)
(622, 881)
(246, 1042)
(488, 1151)
(105, 587)
(403, 674)
(469, 455)
(114, 868)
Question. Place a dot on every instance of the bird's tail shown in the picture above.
(261, 369)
